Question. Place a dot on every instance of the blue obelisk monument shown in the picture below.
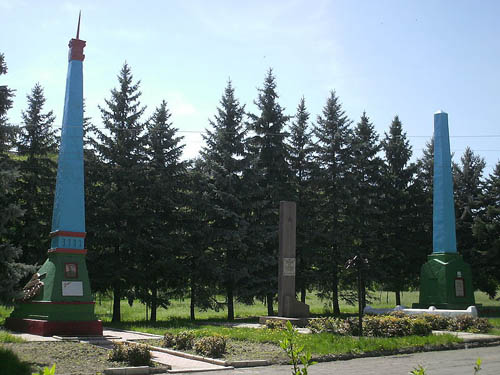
(445, 280)
(57, 300)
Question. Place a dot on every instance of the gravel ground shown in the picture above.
(238, 350)
(71, 358)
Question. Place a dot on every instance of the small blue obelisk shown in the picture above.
(445, 280)
(58, 299)
(443, 236)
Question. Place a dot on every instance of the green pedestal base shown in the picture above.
(446, 283)
(64, 304)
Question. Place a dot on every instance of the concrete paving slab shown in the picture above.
(469, 336)
(185, 364)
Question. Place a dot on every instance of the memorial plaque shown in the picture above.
(288, 266)
(72, 288)
(71, 270)
(459, 288)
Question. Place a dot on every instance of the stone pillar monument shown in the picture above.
(58, 300)
(288, 306)
(445, 280)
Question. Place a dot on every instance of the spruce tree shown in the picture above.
(166, 181)
(201, 281)
(468, 190)
(10, 267)
(272, 185)
(332, 182)
(366, 194)
(401, 247)
(6, 130)
(37, 151)
(225, 163)
(301, 165)
(486, 229)
(424, 183)
(121, 150)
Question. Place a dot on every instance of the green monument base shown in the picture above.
(446, 283)
(58, 299)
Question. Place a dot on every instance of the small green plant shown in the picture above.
(477, 366)
(47, 371)
(295, 352)
(419, 370)
(211, 346)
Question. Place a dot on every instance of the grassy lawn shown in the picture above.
(496, 326)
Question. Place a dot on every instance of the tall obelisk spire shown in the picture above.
(445, 279)
(58, 299)
(444, 237)
(69, 203)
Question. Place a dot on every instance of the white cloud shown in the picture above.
(179, 105)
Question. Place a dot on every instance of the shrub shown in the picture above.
(168, 340)
(184, 340)
(133, 354)
(386, 326)
(420, 327)
(211, 346)
(469, 324)
(275, 324)
(437, 322)
(11, 364)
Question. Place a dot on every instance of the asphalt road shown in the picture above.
(450, 362)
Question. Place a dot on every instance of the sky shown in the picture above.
(387, 57)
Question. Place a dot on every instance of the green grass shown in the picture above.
(317, 344)
(6, 337)
(496, 326)
(179, 309)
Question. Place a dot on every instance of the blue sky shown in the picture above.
(403, 57)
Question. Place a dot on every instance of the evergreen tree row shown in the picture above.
(160, 227)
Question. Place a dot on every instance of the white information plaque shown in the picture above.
(288, 266)
(72, 288)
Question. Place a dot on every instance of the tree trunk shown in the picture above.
(230, 302)
(335, 292)
(154, 304)
(269, 300)
(116, 304)
(303, 295)
(191, 308)
(398, 297)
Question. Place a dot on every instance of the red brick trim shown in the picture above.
(66, 233)
(62, 250)
(51, 328)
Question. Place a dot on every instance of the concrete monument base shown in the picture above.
(446, 283)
